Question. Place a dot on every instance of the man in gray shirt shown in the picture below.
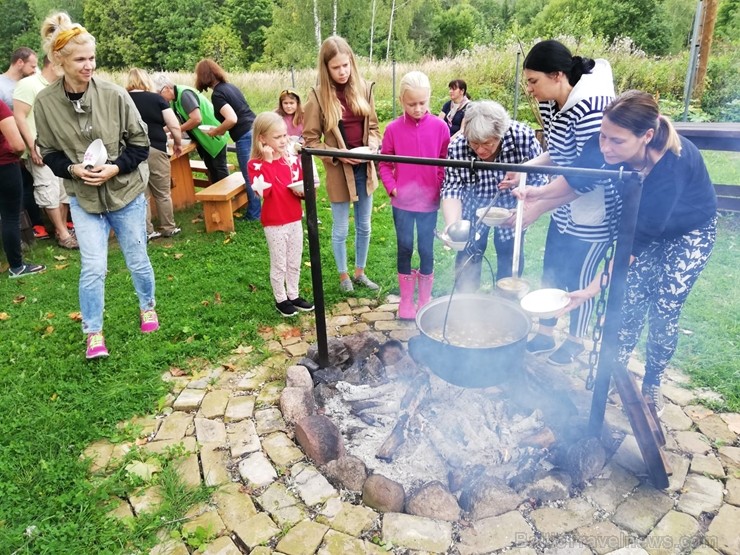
(23, 62)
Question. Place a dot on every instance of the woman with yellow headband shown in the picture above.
(72, 113)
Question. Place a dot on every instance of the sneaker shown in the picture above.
(654, 396)
(149, 321)
(362, 279)
(345, 286)
(172, 233)
(566, 353)
(286, 308)
(153, 235)
(95, 346)
(540, 344)
(25, 270)
(302, 304)
(39, 232)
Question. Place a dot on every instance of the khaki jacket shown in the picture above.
(340, 178)
(109, 115)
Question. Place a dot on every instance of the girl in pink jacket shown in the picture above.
(414, 189)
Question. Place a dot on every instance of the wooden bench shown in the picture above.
(221, 200)
(199, 167)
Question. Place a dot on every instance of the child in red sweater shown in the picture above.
(273, 168)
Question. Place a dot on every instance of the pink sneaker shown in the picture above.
(95, 346)
(149, 321)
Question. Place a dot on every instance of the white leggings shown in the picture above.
(285, 243)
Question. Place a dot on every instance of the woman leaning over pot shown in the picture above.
(572, 92)
(70, 114)
(676, 224)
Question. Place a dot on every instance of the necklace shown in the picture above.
(76, 102)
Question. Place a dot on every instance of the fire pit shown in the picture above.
(408, 424)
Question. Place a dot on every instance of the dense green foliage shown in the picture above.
(267, 33)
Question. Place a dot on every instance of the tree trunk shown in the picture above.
(316, 23)
(390, 32)
(334, 19)
(372, 27)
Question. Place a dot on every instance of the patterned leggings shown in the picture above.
(658, 282)
(285, 243)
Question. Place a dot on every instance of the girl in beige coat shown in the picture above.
(340, 115)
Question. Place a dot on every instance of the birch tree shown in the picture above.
(316, 23)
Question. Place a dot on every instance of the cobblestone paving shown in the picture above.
(271, 500)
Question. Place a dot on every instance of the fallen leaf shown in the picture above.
(141, 441)
(170, 277)
(48, 331)
(292, 332)
(49, 315)
(60, 257)
(243, 350)
(205, 303)
(264, 329)
(76, 316)
(307, 264)
(4, 316)
(229, 367)
(177, 372)
(178, 255)
(252, 287)
(217, 297)
(196, 220)
(227, 240)
(54, 397)
(60, 266)
(19, 299)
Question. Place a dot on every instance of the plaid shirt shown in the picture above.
(477, 188)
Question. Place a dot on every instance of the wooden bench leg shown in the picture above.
(218, 216)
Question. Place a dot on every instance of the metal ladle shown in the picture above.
(460, 230)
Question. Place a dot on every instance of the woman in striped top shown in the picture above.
(572, 93)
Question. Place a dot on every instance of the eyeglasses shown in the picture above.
(493, 143)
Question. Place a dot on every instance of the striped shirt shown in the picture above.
(566, 131)
(476, 189)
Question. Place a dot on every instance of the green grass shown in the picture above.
(213, 294)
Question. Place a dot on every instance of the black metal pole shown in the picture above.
(314, 251)
(608, 354)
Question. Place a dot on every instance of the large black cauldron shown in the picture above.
(472, 366)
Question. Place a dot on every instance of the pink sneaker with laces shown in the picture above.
(95, 346)
(149, 321)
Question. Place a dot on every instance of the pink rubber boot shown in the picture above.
(407, 284)
(425, 289)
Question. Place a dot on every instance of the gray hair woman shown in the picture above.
(70, 114)
(488, 135)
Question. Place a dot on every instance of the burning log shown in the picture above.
(410, 403)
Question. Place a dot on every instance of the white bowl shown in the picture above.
(95, 155)
(545, 303)
(494, 216)
(205, 128)
(362, 150)
(297, 186)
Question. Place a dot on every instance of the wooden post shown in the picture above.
(707, 32)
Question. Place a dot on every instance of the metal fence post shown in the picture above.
(516, 86)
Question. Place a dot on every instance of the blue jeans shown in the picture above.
(404, 221)
(93, 230)
(243, 153)
(340, 224)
